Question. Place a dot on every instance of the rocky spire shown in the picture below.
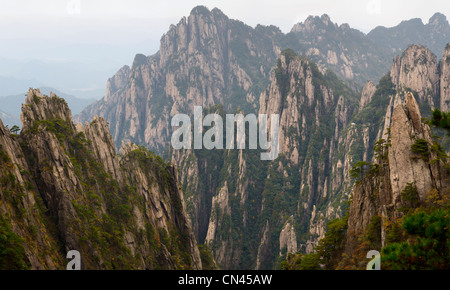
(404, 165)
(367, 94)
(445, 80)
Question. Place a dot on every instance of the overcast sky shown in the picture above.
(137, 21)
(107, 34)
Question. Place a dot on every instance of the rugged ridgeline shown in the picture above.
(209, 59)
(205, 59)
(418, 71)
(346, 51)
(63, 187)
(434, 35)
(324, 132)
(314, 108)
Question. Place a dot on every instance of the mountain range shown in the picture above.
(338, 92)
(208, 59)
(241, 57)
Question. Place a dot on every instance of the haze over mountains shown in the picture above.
(434, 34)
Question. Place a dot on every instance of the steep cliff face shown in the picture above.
(209, 59)
(417, 69)
(23, 221)
(205, 59)
(419, 72)
(404, 164)
(367, 94)
(313, 110)
(399, 204)
(401, 169)
(381, 135)
(288, 238)
(65, 186)
(254, 223)
(445, 80)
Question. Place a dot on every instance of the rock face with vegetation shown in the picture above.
(403, 193)
(404, 176)
(417, 69)
(313, 109)
(252, 214)
(409, 160)
(445, 80)
(346, 51)
(399, 204)
(205, 59)
(64, 187)
(208, 58)
(251, 224)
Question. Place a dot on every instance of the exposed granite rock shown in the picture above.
(22, 206)
(445, 80)
(349, 53)
(200, 63)
(302, 102)
(102, 145)
(220, 213)
(380, 194)
(208, 59)
(367, 94)
(117, 83)
(417, 70)
(406, 127)
(288, 238)
(123, 211)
